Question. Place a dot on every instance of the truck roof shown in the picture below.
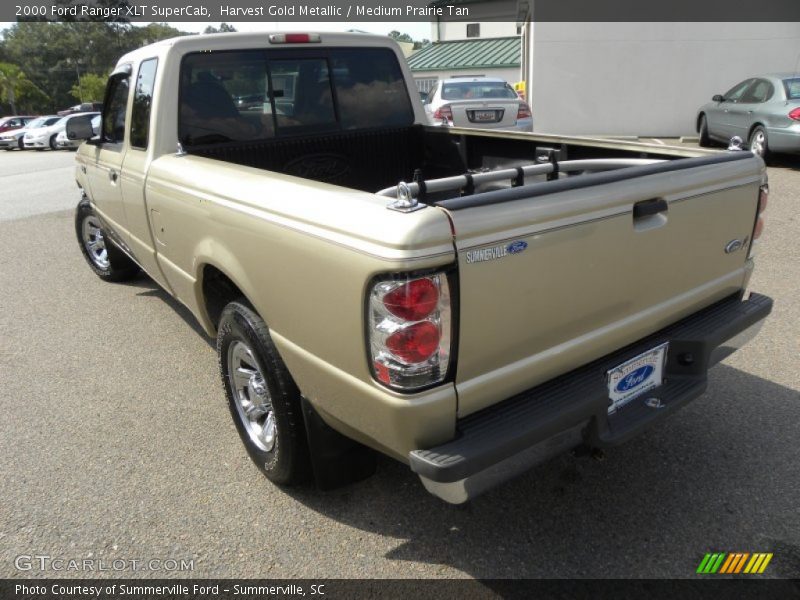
(226, 41)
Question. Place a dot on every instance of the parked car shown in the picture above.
(64, 143)
(15, 138)
(484, 102)
(764, 111)
(15, 122)
(45, 137)
(81, 108)
(509, 303)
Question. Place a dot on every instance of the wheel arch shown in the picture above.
(700, 115)
(219, 281)
(753, 128)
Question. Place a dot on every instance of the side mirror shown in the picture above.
(80, 128)
(717, 98)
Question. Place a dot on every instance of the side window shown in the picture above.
(735, 93)
(760, 91)
(114, 109)
(142, 102)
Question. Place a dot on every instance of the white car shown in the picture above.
(45, 137)
(63, 142)
(484, 102)
(13, 139)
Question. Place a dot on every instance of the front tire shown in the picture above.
(21, 144)
(53, 142)
(705, 140)
(758, 144)
(262, 397)
(107, 261)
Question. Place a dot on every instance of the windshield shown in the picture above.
(477, 90)
(792, 87)
(36, 123)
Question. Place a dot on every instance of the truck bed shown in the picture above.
(374, 159)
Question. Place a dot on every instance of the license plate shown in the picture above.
(485, 115)
(636, 377)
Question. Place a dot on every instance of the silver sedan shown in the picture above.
(764, 111)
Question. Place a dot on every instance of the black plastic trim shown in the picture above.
(492, 435)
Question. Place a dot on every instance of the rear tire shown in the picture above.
(705, 140)
(107, 261)
(758, 143)
(263, 399)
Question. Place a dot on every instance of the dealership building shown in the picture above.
(615, 78)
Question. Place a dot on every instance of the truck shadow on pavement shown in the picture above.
(719, 475)
(784, 161)
(150, 289)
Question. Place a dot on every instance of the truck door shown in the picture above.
(104, 171)
(134, 172)
(743, 114)
(722, 122)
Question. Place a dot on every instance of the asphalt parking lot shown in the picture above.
(117, 442)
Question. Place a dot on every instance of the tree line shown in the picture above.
(49, 66)
(46, 67)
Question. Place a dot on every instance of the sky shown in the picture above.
(418, 30)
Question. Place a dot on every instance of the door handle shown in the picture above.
(113, 175)
(650, 214)
(648, 208)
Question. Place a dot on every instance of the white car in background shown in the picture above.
(45, 137)
(64, 143)
(481, 102)
(14, 138)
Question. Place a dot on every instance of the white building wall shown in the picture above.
(645, 79)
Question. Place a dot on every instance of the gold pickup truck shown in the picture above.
(468, 302)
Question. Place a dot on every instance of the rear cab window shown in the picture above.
(261, 94)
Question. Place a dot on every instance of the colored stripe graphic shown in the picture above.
(734, 563)
(764, 564)
(704, 563)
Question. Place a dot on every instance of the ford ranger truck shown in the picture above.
(467, 302)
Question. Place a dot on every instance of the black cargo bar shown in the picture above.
(583, 181)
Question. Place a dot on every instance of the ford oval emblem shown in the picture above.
(516, 247)
(634, 378)
(733, 246)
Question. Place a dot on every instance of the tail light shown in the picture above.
(758, 228)
(409, 330)
(795, 114)
(443, 113)
(524, 111)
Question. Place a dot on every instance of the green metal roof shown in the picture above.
(468, 54)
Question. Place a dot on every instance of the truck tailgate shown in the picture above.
(556, 274)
